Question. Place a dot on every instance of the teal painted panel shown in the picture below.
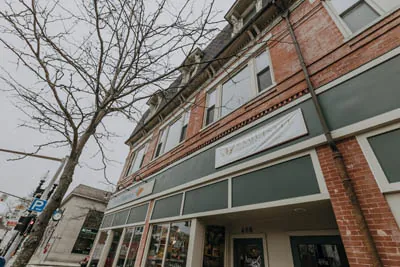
(138, 214)
(386, 147)
(167, 207)
(294, 178)
(120, 218)
(107, 220)
(207, 198)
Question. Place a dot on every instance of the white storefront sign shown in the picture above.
(286, 128)
(144, 189)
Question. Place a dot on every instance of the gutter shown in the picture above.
(337, 155)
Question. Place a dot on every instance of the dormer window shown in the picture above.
(191, 65)
(154, 102)
(248, 15)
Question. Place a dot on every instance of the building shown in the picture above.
(69, 238)
(281, 150)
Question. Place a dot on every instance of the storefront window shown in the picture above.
(113, 248)
(214, 246)
(134, 246)
(157, 245)
(124, 247)
(176, 235)
(178, 244)
(98, 249)
(88, 232)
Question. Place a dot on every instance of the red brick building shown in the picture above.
(281, 147)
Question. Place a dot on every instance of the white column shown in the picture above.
(121, 241)
(196, 244)
(106, 248)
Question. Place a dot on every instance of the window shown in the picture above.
(129, 247)
(355, 14)
(172, 240)
(256, 77)
(211, 102)
(264, 78)
(173, 134)
(236, 91)
(88, 232)
(137, 160)
(113, 248)
(98, 249)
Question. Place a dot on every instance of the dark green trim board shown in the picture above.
(107, 220)
(120, 218)
(167, 207)
(138, 214)
(294, 178)
(207, 198)
(386, 147)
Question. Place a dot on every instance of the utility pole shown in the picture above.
(19, 237)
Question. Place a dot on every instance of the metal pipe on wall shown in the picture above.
(337, 155)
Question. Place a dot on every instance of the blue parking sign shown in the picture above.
(38, 205)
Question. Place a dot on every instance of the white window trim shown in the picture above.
(254, 90)
(133, 156)
(373, 162)
(246, 236)
(166, 127)
(344, 29)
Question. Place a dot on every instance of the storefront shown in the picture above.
(252, 218)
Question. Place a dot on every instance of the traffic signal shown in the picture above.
(25, 223)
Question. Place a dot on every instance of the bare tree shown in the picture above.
(90, 60)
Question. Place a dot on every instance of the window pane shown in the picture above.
(214, 246)
(359, 16)
(88, 232)
(343, 5)
(124, 247)
(183, 133)
(264, 79)
(178, 244)
(236, 91)
(187, 117)
(211, 98)
(157, 246)
(113, 248)
(98, 249)
(210, 115)
(120, 218)
(262, 62)
(137, 160)
(134, 246)
(174, 134)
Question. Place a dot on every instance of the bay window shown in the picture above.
(353, 15)
(137, 160)
(254, 78)
(173, 134)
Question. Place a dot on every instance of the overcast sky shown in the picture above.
(21, 177)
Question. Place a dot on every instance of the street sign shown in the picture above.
(38, 205)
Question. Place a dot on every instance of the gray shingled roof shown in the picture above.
(210, 52)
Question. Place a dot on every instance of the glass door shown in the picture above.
(248, 252)
(318, 251)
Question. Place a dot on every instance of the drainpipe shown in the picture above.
(337, 155)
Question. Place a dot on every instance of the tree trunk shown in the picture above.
(34, 238)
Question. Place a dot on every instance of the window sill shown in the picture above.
(352, 36)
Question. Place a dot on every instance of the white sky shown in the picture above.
(21, 177)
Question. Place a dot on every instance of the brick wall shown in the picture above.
(380, 220)
(328, 57)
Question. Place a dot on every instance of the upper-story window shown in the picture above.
(173, 134)
(354, 15)
(137, 159)
(243, 85)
